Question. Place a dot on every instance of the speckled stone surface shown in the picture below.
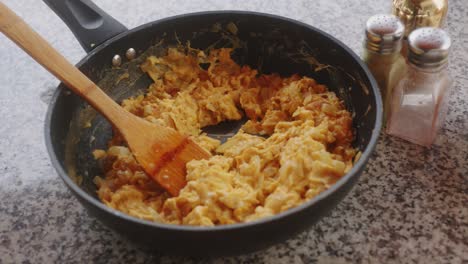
(410, 205)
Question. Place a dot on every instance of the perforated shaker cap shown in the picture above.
(429, 47)
(384, 33)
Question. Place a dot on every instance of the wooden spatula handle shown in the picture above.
(32, 43)
(161, 151)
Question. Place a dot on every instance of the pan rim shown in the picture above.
(360, 164)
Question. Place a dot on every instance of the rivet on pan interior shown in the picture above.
(131, 53)
(116, 60)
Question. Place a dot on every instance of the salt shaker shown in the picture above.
(419, 13)
(382, 53)
(419, 102)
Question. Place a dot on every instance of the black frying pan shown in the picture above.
(266, 42)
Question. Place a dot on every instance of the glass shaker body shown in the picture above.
(419, 105)
(388, 70)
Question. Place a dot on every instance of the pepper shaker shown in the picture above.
(382, 55)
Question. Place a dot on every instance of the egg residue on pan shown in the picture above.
(295, 144)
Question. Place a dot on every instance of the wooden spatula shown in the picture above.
(161, 151)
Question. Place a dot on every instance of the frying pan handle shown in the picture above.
(90, 24)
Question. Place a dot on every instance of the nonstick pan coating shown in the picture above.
(268, 43)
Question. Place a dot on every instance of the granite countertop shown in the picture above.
(410, 205)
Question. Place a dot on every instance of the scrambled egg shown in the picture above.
(295, 144)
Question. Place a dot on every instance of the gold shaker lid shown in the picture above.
(420, 13)
(384, 33)
(429, 47)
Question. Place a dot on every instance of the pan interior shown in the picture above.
(269, 44)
